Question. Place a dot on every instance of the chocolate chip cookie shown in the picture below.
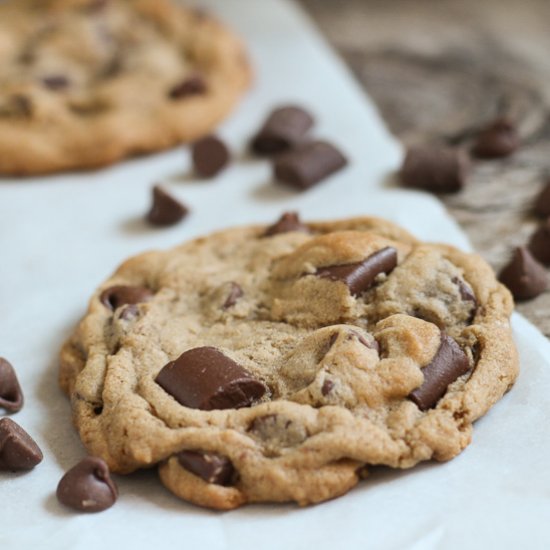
(84, 83)
(279, 363)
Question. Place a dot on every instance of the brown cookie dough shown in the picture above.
(279, 366)
(84, 83)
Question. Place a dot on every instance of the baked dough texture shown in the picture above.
(85, 83)
(340, 365)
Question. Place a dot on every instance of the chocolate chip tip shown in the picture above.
(11, 394)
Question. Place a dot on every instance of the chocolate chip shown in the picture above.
(467, 295)
(327, 387)
(235, 292)
(288, 222)
(211, 467)
(449, 363)
(88, 486)
(166, 210)
(190, 86)
(374, 345)
(56, 82)
(11, 396)
(539, 244)
(204, 378)
(436, 169)
(523, 275)
(361, 275)
(18, 450)
(210, 156)
(542, 203)
(283, 130)
(116, 296)
(308, 164)
(498, 139)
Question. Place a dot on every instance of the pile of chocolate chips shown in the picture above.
(444, 169)
(525, 274)
(298, 161)
(86, 487)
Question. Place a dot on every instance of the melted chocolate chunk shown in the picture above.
(235, 292)
(523, 275)
(18, 450)
(361, 276)
(211, 467)
(191, 86)
(499, 139)
(539, 244)
(308, 164)
(210, 156)
(449, 363)
(11, 396)
(435, 169)
(116, 296)
(284, 129)
(542, 202)
(88, 487)
(288, 222)
(204, 378)
(166, 209)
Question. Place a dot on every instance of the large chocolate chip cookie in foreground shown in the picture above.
(257, 364)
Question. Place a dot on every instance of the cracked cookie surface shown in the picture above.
(84, 83)
(277, 364)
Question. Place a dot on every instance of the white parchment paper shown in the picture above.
(61, 236)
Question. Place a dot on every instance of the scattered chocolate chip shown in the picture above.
(56, 82)
(539, 244)
(211, 467)
(204, 378)
(449, 363)
(327, 387)
(498, 139)
(523, 275)
(210, 156)
(18, 450)
(288, 222)
(284, 129)
(542, 203)
(361, 275)
(235, 292)
(116, 296)
(88, 486)
(436, 169)
(308, 164)
(11, 396)
(166, 210)
(191, 86)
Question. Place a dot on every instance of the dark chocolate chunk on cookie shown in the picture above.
(204, 378)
